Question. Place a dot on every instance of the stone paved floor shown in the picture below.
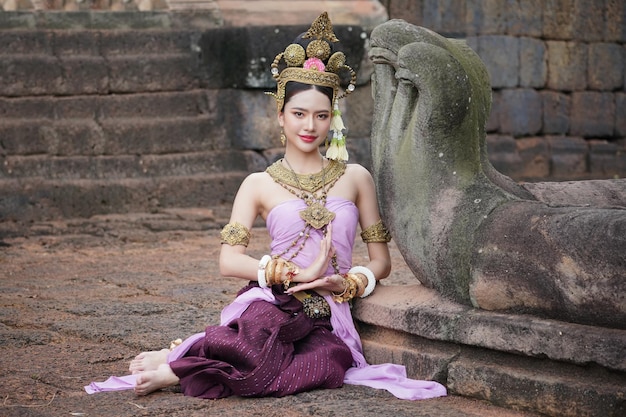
(79, 299)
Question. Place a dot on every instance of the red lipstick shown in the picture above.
(308, 138)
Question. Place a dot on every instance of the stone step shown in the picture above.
(511, 381)
(515, 361)
(59, 63)
(550, 388)
(113, 137)
(128, 136)
(106, 167)
(436, 318)
(117, 20)
(33, 75)
(36, 199)
(148, 105)
(105, 43)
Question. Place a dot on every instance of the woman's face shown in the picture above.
(305, 119)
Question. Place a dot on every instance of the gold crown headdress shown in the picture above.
(317, 66)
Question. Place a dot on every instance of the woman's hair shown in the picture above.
(294, 87)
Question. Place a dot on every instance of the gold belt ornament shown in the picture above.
(315, 307)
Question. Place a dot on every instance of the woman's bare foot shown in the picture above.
(151, 381)
(148, 361)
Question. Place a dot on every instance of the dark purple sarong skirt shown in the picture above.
(271, 350)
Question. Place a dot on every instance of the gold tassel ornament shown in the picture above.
(337, 149)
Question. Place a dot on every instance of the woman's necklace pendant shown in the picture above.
(317, 215)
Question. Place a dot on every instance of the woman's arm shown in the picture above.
(367, 203)
(234, 262)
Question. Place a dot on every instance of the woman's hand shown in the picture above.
(319, 266)
(334, 283)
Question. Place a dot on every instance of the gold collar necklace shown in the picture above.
(310, 183)
(316, 214)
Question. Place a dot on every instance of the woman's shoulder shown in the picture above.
(360, 180)
(257, 178)
(357, 172)
(356, 168)
(253, 185)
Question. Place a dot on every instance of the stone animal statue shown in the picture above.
(554, 250)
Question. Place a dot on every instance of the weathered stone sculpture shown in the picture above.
(553, 250)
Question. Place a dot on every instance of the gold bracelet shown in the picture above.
(278, 272)
(292, 271)
(339, 297)
(274, 272)
(360, 283)
(269, 271)
(349, 290)
(352, 288)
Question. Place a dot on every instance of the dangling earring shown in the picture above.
(283, 138)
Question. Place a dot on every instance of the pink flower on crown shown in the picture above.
(314, 64)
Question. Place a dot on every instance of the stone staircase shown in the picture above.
(117, 112)
(95, 122)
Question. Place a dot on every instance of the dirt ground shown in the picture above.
(79, 299)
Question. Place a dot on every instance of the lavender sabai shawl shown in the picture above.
(283, 224)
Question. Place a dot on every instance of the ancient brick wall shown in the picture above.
(558, 71)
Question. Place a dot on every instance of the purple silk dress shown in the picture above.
(274, 349)
(265, 344)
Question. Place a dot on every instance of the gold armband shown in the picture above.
(376, 233)
(235, 234)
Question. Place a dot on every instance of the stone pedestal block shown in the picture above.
(593, 114)
(620, 114)
(556, 112)
(503, 155)
(568, 157)
(534, 153)
(500, 55)
(522, 378)
(580, 20)
(606, 66)
(525, 18)
(606, 159)
(240, 13)
(520, 112)
(533, 64)
(567, 66)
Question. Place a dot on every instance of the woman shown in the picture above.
(290, 329)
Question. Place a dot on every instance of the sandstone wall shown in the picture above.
(558, 74)
(126, 111)
(117, 106)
